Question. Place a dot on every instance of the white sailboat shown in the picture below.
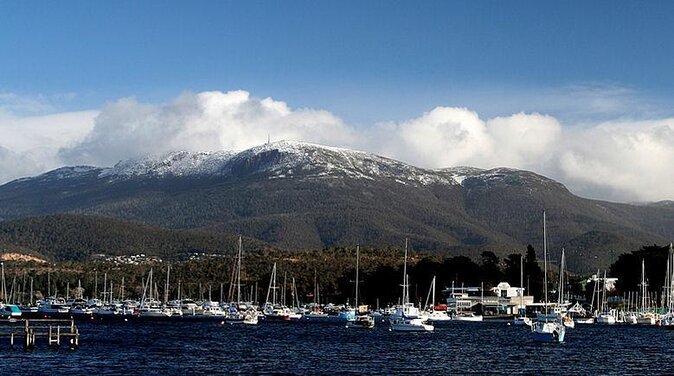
(645, 316)
(407, 317)
(546, 329)
(272, 309)
(150, 306)
(361, 321)
(434, 315)
(561, 304)
(604, 315)
(238, 312)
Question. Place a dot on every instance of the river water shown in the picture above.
(153, 348)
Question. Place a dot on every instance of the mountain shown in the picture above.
(303, 196)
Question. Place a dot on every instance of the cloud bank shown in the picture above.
(619, 160)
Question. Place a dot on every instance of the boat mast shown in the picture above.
(521, 281)
(433, 297)
(405, 297)
(643, 286)
(272, 286)
(4, 287)
(238, 275)
(545, 265)
(357, 259)
(560, 293)
(166, 289)
(670, 266)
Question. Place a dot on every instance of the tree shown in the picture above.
(533, 274)
(511, 272)
(490, 271)
(628, 268)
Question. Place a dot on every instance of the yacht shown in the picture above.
(407, 317)
(546, 329)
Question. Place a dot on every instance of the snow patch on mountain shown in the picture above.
(290, 160)
(280, 160)
(181, 163)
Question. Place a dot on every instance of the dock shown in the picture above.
(28, 332)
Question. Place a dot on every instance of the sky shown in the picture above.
(581, 92)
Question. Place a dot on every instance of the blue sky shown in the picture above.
(580, 91)
(364, 61)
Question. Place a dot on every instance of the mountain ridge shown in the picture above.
(305, 196)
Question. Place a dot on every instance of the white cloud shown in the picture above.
(447, 137)
(203, 121)
(619, 160)
(29, 145)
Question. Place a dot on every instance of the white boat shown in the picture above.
(212, 309)
(272, 310)
(431, 313)
(522, 321)
(411, 325)
(239, 312)
(250, 317)
(436, 316)
(150, 307)
(584, 320)
(645, 316)
(361, 322)
(407, 317)
(545, 329)
(548, 331)
(52, 305)
(467, 316)
(10, 311)
(605, 318)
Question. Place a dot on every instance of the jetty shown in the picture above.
(29, 331)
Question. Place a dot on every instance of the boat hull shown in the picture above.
(552, 332)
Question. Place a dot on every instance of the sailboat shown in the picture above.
(361, 321)
(564, 315)
(604, 314)
(316, 312)
(150, 306)
(435, 315)
(645, 316)
(272, 309)
(546, 329)
(407, 317)
(239, 312)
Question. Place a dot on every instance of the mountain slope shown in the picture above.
(77, 237)
(298, 195)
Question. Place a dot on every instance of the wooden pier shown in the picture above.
(29, 331)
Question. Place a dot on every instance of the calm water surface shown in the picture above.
(320, 348)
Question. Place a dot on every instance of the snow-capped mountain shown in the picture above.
(300, 195)
(280, 160)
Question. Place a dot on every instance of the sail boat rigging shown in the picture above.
(546, 329)
(407, 317)
(361, 321)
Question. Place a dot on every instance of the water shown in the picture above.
(319, 348)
